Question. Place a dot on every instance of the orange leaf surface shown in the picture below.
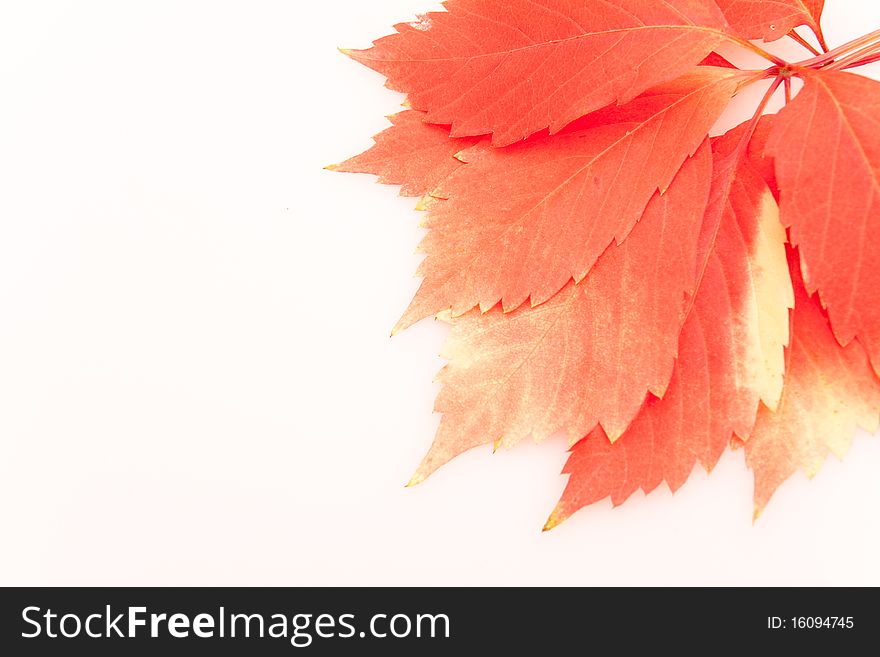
(730, 352)
(514, 67)
(830, 392)
(520, 222)
(826, 145)
(762, 162)
(613, 274)
(411, 153)
(771, 19)
(588, 355)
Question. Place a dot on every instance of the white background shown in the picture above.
(196, 380)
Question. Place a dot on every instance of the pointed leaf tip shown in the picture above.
(556, 518)
(756, 513)
(410, 153)
(399, 327)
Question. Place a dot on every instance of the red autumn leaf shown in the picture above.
(411, 153)
(659, 290)
(588, 355)
(826, 145)
(772, 19)
(514, 67)
(830, 391)
(519, 222)
(730, 352)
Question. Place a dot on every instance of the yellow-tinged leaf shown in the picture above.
(590, 354)
(830, 392)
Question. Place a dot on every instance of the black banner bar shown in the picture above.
(393, 621)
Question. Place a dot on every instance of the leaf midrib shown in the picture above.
(364, 54)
